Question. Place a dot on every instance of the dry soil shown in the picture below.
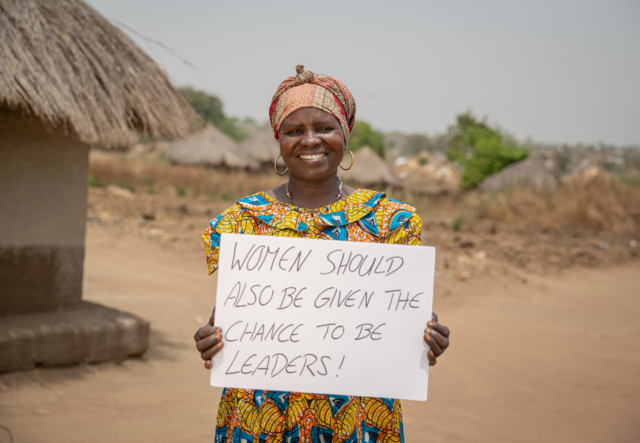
(536, 356)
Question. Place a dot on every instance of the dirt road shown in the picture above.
(555, 359)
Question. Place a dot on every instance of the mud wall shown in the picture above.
(43, 194)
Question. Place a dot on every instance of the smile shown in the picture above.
(312, 157)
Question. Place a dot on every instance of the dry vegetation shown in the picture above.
(152, 175)
(593, 202)
(590, 222)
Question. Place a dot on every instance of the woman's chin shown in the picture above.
(313, 172)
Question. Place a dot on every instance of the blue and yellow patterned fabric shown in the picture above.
(254, 416)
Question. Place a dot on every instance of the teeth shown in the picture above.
(311, 157)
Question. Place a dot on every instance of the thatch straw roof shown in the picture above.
(66, 64)
(529, 173)
(432, 178)
(368, 170)
(262, 146)
(210, 147)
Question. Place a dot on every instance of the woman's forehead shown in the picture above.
(309, 115)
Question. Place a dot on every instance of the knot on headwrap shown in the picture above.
(309, 90)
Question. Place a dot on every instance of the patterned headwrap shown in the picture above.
(309, 90)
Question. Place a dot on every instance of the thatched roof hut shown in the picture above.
(431, 178)
(210, 147)
(68, 79)
(70, 67)
(531, 173)
(369, 170)
(262, 146)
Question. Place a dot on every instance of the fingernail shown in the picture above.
(430, 324)
(428, 337)
(220, 344)
(218, 336)
(428, 330)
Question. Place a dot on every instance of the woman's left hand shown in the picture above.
(436, 336)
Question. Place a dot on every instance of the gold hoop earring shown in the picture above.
(352, 161)
(275, 166)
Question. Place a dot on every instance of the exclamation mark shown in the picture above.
(340, 364)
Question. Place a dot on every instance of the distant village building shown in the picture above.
(425, 175)
(262, 146)
(210, 147)
(369, 170)
(69, 79)
(528, 173)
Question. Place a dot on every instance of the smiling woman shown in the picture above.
(312, 116)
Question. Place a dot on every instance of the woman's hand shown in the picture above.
(209, 341)
(436, 336)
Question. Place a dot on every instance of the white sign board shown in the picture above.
(325, 317)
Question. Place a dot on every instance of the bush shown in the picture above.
(210, 109)
(480, 149)
(364, 135)
(457, 223)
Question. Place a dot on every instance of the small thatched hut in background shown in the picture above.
(262, 146)
(210, 147)
(430, 178)
(68, 79)
(369, 170)
(528, 173)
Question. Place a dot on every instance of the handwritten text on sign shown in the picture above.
(326, 317)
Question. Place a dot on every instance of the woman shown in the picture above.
(312, 116)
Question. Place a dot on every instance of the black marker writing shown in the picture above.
(361, 265)
(367, 330)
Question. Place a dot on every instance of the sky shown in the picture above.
(561, 71)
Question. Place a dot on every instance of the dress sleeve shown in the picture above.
(224, 223)
(413, 229)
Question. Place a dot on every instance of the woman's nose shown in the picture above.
(310, 139)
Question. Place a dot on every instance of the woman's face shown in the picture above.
(311, 144)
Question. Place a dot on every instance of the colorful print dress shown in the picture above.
(254, 416)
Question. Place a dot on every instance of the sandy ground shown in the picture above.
(535, 357)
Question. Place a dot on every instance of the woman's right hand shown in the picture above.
(209, 341)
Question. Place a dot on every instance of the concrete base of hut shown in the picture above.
(84, 333)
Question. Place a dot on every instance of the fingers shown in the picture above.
(436, 336)
(205, 331)
(442, 329)
(442, 341)
(211, 352)
(207, 342)
(430, 340)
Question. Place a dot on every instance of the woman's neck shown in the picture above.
(310, 195)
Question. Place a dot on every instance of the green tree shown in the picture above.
(364, 135)
(208, 106)
(210, 109)
(480, 149)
